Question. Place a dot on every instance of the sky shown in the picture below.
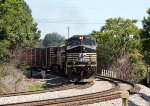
(83, 16)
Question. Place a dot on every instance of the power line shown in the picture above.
(62, 20)
(77, 7)
(68, 22)
(54, 21)
(72, 23)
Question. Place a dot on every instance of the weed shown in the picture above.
(35, 87)
(22, 67)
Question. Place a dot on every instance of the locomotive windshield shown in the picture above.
(74, 42)
(88, 42)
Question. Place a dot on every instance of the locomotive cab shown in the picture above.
(81, 58)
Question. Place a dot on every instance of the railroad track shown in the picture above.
(109, 94)
(134, 88)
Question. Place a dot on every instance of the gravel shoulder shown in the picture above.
(140, 99)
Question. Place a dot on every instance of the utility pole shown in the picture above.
(68, 31)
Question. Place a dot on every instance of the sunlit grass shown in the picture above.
(35, 87)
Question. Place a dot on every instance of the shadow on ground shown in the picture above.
(143, 96)
(55, 81)
(50, 80)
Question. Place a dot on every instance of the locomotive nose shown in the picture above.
(82, 57)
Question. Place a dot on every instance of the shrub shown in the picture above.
(140, 72)
(22, 67)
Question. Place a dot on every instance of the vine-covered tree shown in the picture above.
(145, 35)
(118, 48)
(17, 27)
(53, 39)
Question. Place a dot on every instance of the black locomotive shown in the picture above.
(76, 59)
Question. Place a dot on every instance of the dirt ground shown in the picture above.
(17, 81)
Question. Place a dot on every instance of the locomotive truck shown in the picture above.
(76, 59)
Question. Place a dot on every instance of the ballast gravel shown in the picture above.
(140, 99)
(97, 87)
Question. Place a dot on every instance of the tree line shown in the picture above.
(53, 39)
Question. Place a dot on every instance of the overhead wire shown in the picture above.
(53, 21)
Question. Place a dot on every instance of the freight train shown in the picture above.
(76, 59)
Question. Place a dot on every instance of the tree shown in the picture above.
(39, 43)
(118, 44)
(17, 26)
(53, 39)
(115, 38)
(145, 35)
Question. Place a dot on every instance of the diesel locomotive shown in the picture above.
(76, 59)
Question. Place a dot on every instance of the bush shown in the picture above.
(140, 72)
(4, 52)
(22, 67)
(3, 72)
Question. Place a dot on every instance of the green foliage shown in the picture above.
(39, 43)
(115, 38)
(3, 72)
(17, 27)
(139, 67)
(135, 56)
(35, 87)
(145, 35)
(22, 67)
(140, 71)
(4, 52)
(53, 39)
(17, 24)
